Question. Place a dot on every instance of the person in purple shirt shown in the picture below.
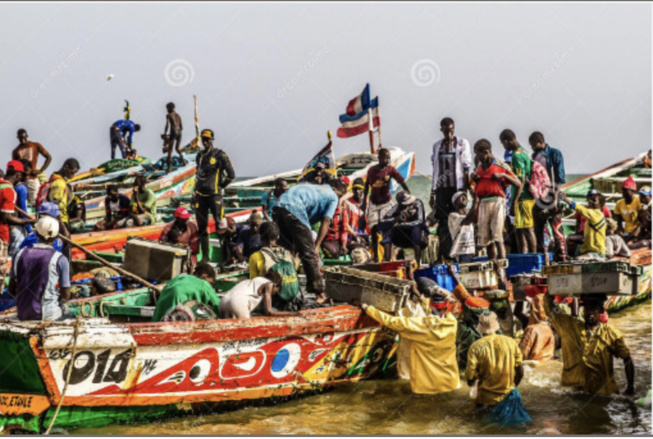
(121, 134)
(40, 277)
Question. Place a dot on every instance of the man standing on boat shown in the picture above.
(121, 134)
(30, 151)
(452, 162)
(588, 347)
(297, 210)
(214, 173)
(378, 180)
(553, 161)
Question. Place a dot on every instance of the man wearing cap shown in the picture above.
(30, 151)
(408, 227)
(13, 175)
(495, 361)
(295, 213)
(40, 277)
(595, 227)
(317, 175)
(182, 231)
(214, 173)
(626, 211)
(248, 240)
(500, 305)
(589, 346)
(432, 339)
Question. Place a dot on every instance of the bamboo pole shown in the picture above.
(103, 261)
(379, 128)
(371, 130)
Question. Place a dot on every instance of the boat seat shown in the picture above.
(130, 310)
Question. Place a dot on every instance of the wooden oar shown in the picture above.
(103, 261)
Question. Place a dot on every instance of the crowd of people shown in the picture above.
(479, 203)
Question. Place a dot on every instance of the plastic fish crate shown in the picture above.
(386, 293)
(611, 278)
(440, 274)
(522, 263)
(480, 275)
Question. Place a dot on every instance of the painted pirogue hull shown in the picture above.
(135, 372)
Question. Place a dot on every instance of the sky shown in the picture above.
(272, 78)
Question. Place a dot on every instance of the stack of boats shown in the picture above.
(114, 365)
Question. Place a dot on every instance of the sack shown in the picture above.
(290, 282)
(509, 412)
(539, 184)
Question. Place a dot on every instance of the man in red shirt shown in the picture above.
(491, 181)
(378, 179)
(30, 151)
(15, 171)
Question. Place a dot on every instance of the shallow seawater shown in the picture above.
(388, 407)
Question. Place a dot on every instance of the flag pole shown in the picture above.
(371, 129)
(379, 128)
(197, 124)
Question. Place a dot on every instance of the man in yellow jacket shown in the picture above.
(433, 366)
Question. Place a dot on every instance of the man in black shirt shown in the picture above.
(214, 173)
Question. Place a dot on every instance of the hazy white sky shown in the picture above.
(273, 78)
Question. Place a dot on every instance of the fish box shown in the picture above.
(154, 260)
(386, 293)
(522, 263)
(439, 274)
(480, 275)
(611, 278)
(520, 281)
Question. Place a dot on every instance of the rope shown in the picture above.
(70, 369)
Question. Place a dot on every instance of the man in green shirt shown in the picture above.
(143, 203)
(186, 287)
(522, 200)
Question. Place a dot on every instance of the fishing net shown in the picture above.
(510, 411)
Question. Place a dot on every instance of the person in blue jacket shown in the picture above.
(121, 135)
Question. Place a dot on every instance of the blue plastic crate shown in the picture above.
(440, 274)
(522, 263)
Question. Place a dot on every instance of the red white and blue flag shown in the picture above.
(360, 122)
(360, 102)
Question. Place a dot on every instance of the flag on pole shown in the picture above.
(325, 156)
(128, 110)
(360, 102)
(360, 123)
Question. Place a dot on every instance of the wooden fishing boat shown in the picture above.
(121, 367)
(109, 167)
(608, 181)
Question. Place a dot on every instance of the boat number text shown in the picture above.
(87, 364)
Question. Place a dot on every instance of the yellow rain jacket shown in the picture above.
(433, 366)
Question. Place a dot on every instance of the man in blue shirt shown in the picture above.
(19, 232)
(120, 132)
(269, 199)
(296, 211)
(552, 160)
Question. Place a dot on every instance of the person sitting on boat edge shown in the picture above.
(40, 277)
(214, 173)
(121, 134)
(494, 364)
(270, 198)
(642, 234)
(406, 224)
(432, 338)
(377, 185)
(299, 208)
(626, 211)
(76, 214)
(185, 287)
(116, 209)
(595, 227)
(186, 233)
(461, 228)
(614, 243)
(588, 348)
(318, 175)
(143, 204)
(45, 209)
(452, 162)
(251, 295)
(248, 239)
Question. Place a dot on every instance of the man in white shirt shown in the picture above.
(452, 161)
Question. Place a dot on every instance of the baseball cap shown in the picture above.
(405, 198)
(208, 134)
(17, 166)
(48, 208)
(182, 213)
(47, 227)
(593, 192)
